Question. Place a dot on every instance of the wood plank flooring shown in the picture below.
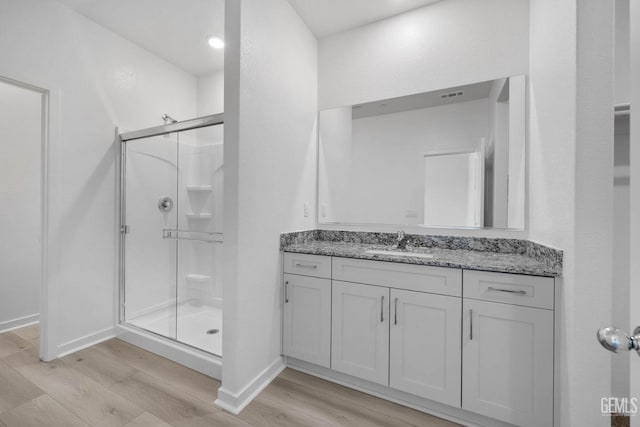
(117, 384)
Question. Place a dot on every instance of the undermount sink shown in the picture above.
(398, 253)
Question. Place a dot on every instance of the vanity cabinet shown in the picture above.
(391, 327)
(425, 345)
(306, 331)
(479, 342)
(360, 331)
(507, 365)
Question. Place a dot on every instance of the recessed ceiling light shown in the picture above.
(215, 42)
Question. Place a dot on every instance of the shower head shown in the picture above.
(168, 119)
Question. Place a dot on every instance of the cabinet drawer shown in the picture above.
(307, 265)
(528, 291)
(420, 278)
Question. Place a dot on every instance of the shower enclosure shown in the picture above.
(171, 240)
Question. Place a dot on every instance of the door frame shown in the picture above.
(47, 303)
(634, 198)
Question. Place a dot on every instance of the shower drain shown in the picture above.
(213, 331)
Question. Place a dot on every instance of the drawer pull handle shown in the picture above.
(509, 291)
(313, 267)
(382, 308)
(286, 292)
(395, 312)
(471, 324)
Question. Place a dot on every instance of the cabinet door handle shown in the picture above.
(395, 312)
(382, 308)
(471, 324)
(286, 292)
(510, 291)
(313, 267)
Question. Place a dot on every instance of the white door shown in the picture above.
(425, 350)
(360, 331)
(454, 188)
(507, 362)
(634, 368)
(307, 319)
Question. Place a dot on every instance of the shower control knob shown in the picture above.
(616, 340)
(165, 204)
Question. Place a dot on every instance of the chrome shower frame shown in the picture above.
(186, 125)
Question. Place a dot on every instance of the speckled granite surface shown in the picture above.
(472, 253)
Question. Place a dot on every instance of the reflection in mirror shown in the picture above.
(448, 158)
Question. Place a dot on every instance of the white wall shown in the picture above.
(385, 176)
(622, 73)
(20, 216)
(442, 45)
(211, 93)
(570, 197)
(270, 157)
(97, 81)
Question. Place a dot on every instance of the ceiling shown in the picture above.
(326, 17)
(176, 30)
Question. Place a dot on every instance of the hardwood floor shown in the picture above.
(117, 384)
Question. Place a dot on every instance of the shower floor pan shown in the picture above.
(189, 324)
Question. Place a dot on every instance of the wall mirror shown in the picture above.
(447, 158)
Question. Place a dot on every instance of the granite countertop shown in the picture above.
(497, 255)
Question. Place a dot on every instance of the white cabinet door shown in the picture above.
(360, 331)
(425, 352)
(307, 319)
(507, 366)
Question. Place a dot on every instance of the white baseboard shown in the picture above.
(86, 341)
(431, 407)
(236, 402)
(21, 322)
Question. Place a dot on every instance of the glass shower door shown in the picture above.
(150, 260)
(199, 284)
(172, 208)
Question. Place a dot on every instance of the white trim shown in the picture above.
(449, 413)
(202, 362)
(50, 131)
(18, 323)
(48, 348)
(236, 402)
(86, 341)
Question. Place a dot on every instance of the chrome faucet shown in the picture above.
(401, 240)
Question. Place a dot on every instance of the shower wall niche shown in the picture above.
(172, 212)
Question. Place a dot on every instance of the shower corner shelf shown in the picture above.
(200, 188)
(200, 216)
(198, 278)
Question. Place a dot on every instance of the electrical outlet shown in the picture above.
(306, 209)
(411, 213)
